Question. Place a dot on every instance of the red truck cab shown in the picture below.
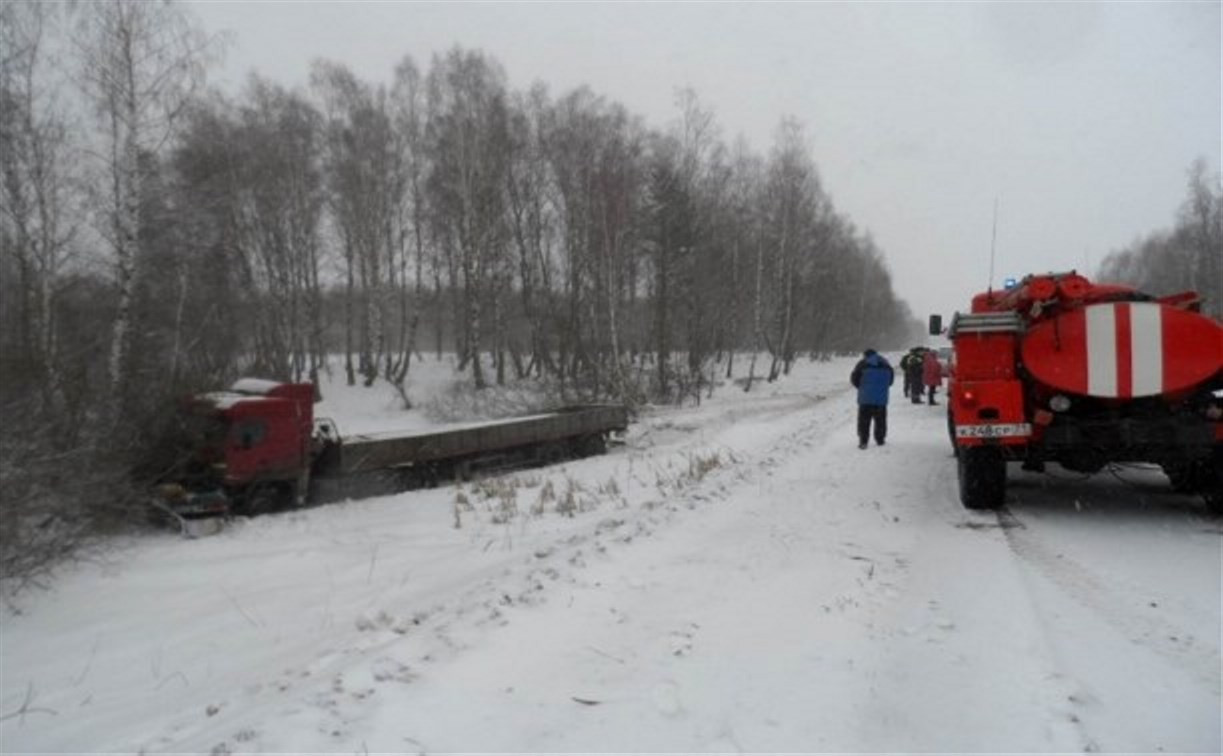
(249, 449)
(268, 430)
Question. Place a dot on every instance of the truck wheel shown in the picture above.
(589, 446)
(955, 449)
(982, 472)
(551, 453)
(299, 491)
(428, 475)
(263, 498)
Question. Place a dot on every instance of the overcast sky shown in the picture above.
(1081, 119)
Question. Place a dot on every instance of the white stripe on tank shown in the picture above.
(1146, 348)
(1102, 350)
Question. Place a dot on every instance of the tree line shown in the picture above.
(158, 237)
(1186, 257)
(556, 237)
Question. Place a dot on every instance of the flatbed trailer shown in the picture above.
(576, 430)
(367, 464)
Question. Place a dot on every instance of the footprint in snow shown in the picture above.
(666, 698)
(681, 640)
(385, 669)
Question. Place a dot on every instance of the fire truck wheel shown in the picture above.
(1214, 499)
(982, 472)
(1212, 485)
(1181, 477)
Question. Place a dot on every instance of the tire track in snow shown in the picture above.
(1147, 630)
(1074, 643)
(340, 684)
(1086, 588)
(957, 664)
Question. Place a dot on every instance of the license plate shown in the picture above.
(994, 430)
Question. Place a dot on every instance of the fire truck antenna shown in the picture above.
(992, 242)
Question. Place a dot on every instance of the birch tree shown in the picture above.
(702, 269)
(467, 133)
(36, 200)
(409, 245)
(140, 63)
(793, 199)
(278, 198)
(532, 219)
(1200, 222)
(365, 189)
(1186, 256)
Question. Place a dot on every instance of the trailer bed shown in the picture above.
(387, 451)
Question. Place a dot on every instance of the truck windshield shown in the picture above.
(190, 445)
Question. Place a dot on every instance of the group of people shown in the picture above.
(873, 377)
(923, 374)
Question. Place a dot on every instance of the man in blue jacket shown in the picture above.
(872, 376)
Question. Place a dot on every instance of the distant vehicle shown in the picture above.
(946, 357)
(1057, 369)
(257, 447)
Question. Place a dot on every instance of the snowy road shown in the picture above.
(739, 578)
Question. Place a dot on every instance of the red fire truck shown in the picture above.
(1058, 369)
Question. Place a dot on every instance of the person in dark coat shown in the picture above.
(873, 377)
(932, 374)
(913, 373)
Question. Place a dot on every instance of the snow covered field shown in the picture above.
(738, 577)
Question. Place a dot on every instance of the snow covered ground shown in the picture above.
(738, 577)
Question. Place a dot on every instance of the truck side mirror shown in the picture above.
(936, 325)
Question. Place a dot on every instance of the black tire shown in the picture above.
(262, 498)
(1214, 499)
(982, 472)
(1181, 477)
(590, 445)
(955, 449)
(297, 494)
(428, 475)
(1212, 482)
(596, 444)
(552, 452)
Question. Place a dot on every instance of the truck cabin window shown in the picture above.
(248, 434)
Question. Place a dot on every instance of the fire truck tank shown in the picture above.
(1124, 350)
